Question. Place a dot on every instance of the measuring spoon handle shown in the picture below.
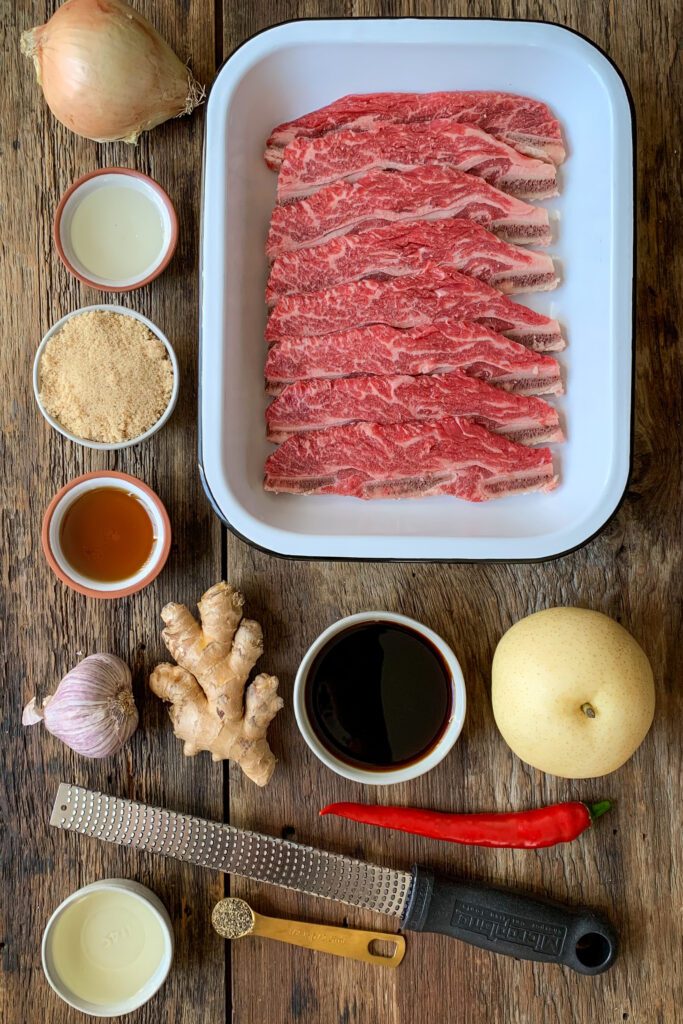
(349, 942)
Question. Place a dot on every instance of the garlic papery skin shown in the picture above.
(106, 73)
(92, 710)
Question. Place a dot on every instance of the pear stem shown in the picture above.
(588, 710)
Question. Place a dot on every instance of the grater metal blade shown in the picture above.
(226, 848)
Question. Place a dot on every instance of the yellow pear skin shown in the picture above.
(573, 692)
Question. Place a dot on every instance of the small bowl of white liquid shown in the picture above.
(108, 947)
(115, 229)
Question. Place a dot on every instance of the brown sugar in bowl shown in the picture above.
(52, 524)
(107, 445)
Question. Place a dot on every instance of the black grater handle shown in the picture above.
(505, 922)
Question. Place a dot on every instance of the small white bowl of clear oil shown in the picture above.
(108, 947)
(115, 229)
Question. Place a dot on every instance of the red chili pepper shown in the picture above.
(545, 826)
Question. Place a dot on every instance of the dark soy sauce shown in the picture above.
(379, 696)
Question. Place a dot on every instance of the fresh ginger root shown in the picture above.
(212, 708)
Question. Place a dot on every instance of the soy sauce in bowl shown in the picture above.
(379, 696)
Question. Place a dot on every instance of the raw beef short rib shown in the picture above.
(412, 302)
(316, 404)
(426, 193)
(385, 351)
(408, 460)
(310, 164)
(526, 124)
(394, 250)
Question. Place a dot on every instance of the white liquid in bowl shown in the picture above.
(116, 232)
(106, 946)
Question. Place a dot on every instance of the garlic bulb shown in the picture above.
(106, 73)
(92, 710)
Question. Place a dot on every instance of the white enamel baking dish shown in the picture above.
(296, 67)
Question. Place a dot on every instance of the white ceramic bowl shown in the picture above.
(52, 523)
(435, 755)
(153, 902)
(122, 177)
(102, 445)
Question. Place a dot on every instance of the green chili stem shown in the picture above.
(598, 809)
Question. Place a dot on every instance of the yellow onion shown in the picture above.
(106, 73)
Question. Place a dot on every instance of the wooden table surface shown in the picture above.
(630, 867)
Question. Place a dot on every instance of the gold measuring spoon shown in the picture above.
(233, 918)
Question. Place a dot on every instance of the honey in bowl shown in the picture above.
(379, 696)
(107, 535)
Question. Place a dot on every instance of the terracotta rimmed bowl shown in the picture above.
(87, 184)
(53, 519)
(112, 446)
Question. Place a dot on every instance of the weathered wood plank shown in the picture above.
(45, 626)
(630, 866)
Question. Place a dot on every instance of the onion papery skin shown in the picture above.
(106, 73)
(93, 710)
